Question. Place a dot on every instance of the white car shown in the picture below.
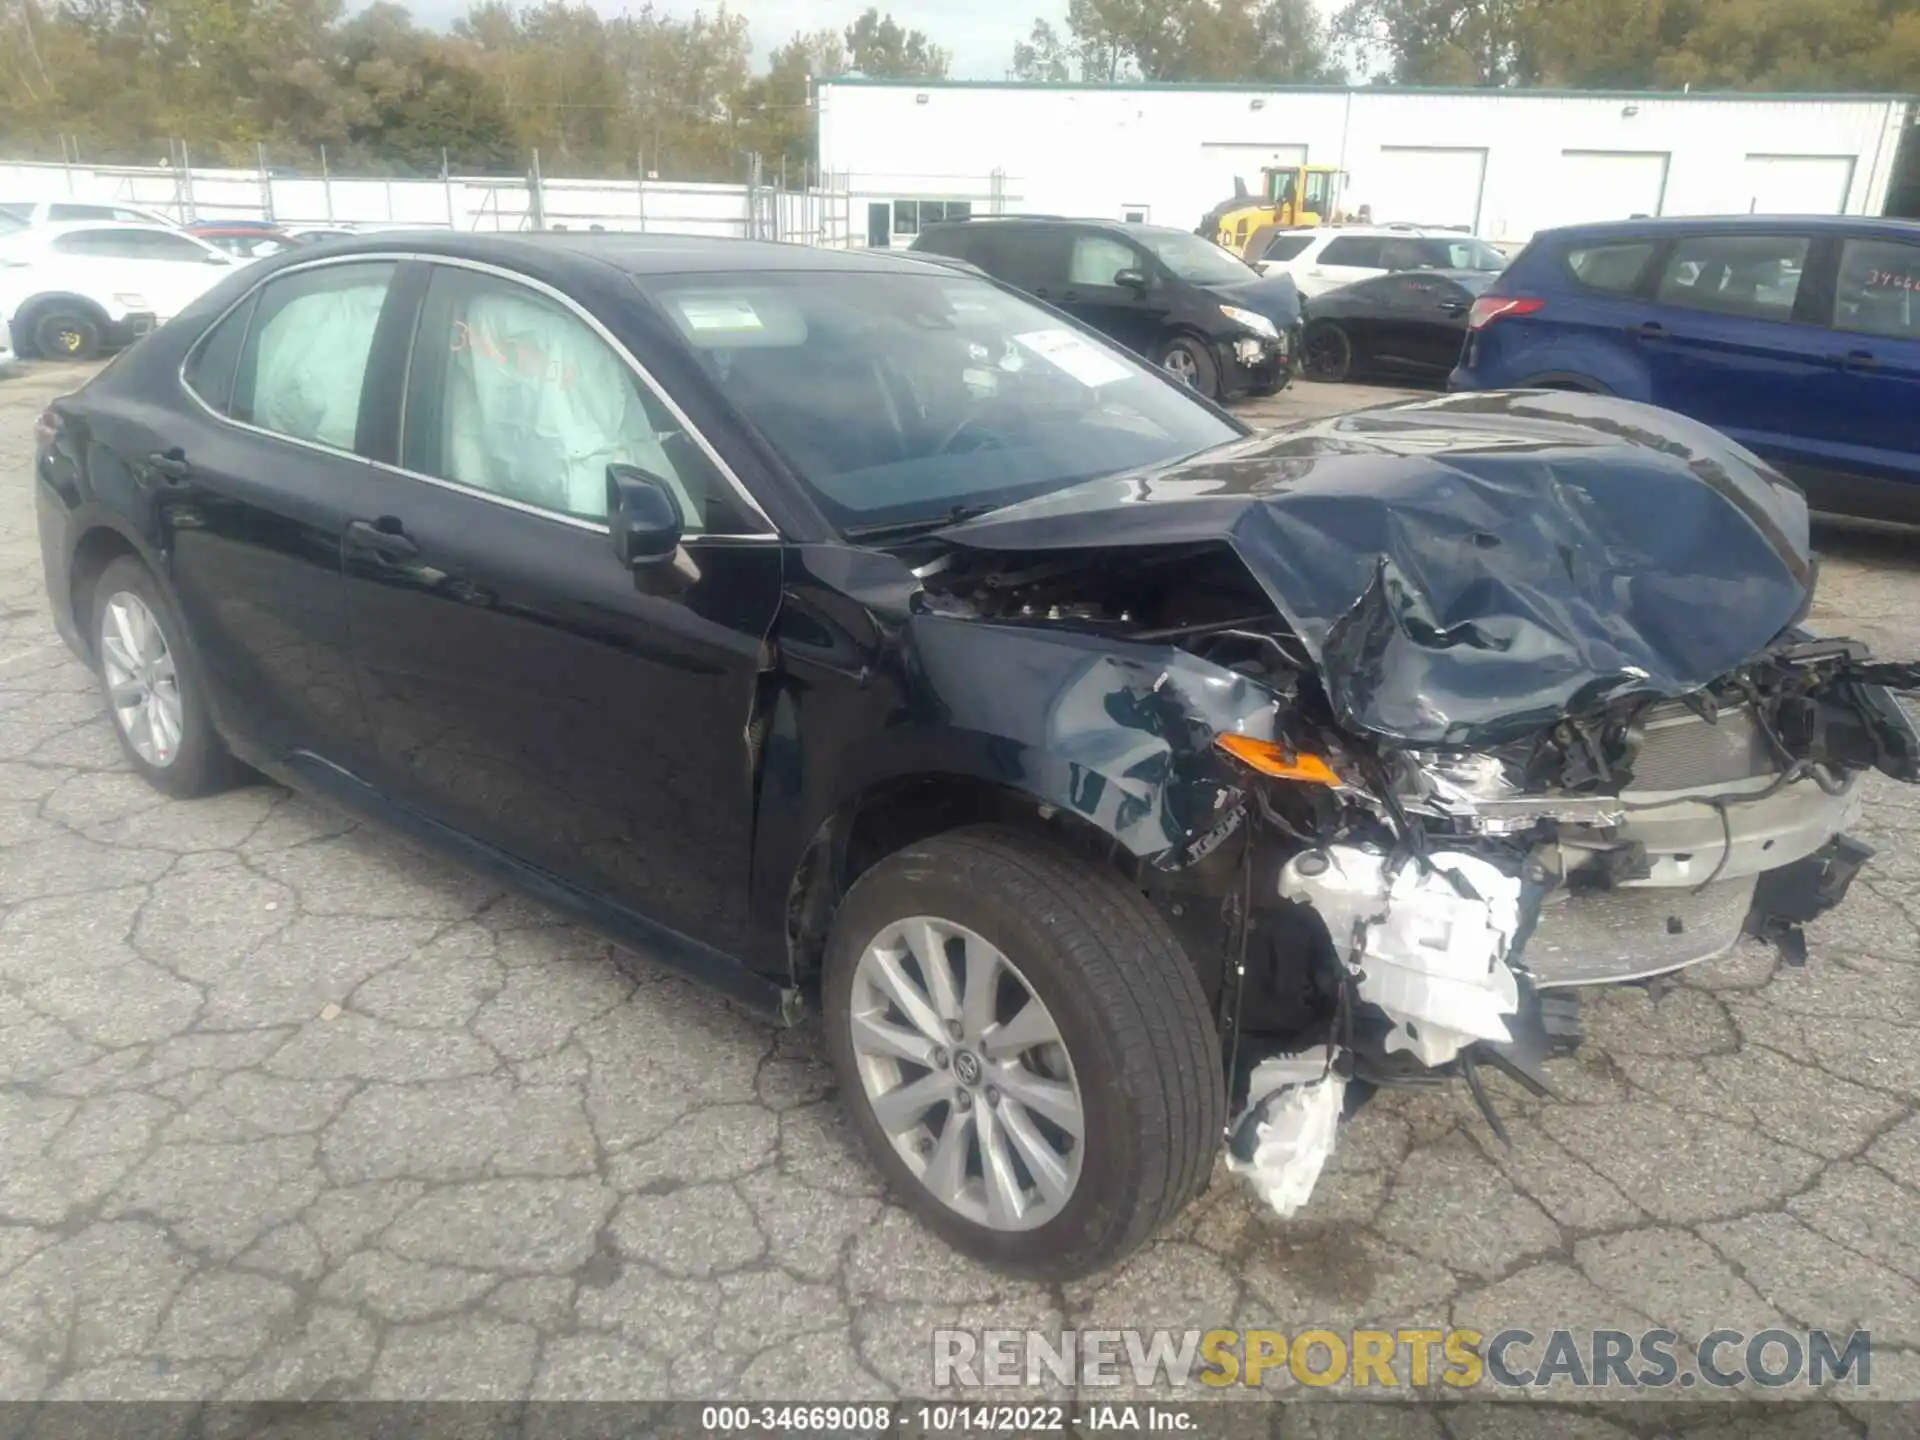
(6, 343)
(22, 214)
(1327, 258)
(71, 291)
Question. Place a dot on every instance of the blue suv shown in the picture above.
(1798, 336)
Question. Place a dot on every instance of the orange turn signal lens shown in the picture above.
(1277, 761)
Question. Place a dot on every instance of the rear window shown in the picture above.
(1879, 292)
(1753, 276)
(1285, 247)
(1615, 268)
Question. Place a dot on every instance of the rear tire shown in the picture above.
(151, 681)
(62, 332)
(1127, 1026)
(1188, 361)
(1328, 352)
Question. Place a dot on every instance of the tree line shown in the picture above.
(114, 81)
(1778, 45)
(680, 96)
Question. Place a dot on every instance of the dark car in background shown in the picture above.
(851, 631)
(1200, 313)
(1410, 325)
(1797, 335)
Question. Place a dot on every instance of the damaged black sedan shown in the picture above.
(858, 635)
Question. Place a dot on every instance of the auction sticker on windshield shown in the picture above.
(717, 312)
(1078, 356)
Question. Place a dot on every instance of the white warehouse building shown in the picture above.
(1503, 163)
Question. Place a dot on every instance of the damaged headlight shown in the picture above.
(1253, 320)
(1485, 794)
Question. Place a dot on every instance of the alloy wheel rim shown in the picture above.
(1179, 364)
(965, 1070)
(1326, 352)
(143, 684)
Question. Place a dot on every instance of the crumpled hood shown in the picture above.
(1467, 569)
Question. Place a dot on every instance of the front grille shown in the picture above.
(1677, 750)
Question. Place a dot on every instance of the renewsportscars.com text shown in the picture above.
(1392, 1359)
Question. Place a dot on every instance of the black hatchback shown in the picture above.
(1202, 314)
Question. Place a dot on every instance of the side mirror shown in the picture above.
(219, 260)
(1131, 279)
(644, 517)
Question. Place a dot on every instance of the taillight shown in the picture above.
(45, 427)
(1489, 308)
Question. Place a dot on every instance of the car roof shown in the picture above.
(67, 227)
(1661, 227)
(635, 254)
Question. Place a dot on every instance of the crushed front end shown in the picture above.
(1539, 715)
(1455, 902)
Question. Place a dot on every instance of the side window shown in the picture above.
(1615, 269)
(80, 212)
(305, 358)
(157, 245)
(212, 364)
(512, 394)
(1098, 258)
(88, 242)
(1353, 250)
(1755, 276)
(1879, 289)
(1285, 247)
(1030, 257)
(1403, 254)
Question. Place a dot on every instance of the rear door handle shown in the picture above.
(1857, 360)
(385, 537)
(1651, 330)
(171, 466)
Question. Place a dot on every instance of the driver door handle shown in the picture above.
(385, 537)
(1857, 360)
(1651, 330)
(171, 467)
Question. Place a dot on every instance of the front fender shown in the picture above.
(1117, 734)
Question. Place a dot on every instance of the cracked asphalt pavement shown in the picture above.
(289, 1110)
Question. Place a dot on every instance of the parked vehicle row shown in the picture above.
(1200, 313)
(861, 634)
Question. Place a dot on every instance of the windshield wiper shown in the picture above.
(893, 529)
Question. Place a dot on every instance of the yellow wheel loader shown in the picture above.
(1294, 195)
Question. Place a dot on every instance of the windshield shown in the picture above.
(901, 398)
(1465, 254)
(1195, 259)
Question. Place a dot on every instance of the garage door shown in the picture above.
(1798, 184)
(1223, 163)
(1423, 185)
(1609, 185)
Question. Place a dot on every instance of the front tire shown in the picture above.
(1048, 1123)
(151, 681)
(64, 333)
(1329, 352)
(1188, 361)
